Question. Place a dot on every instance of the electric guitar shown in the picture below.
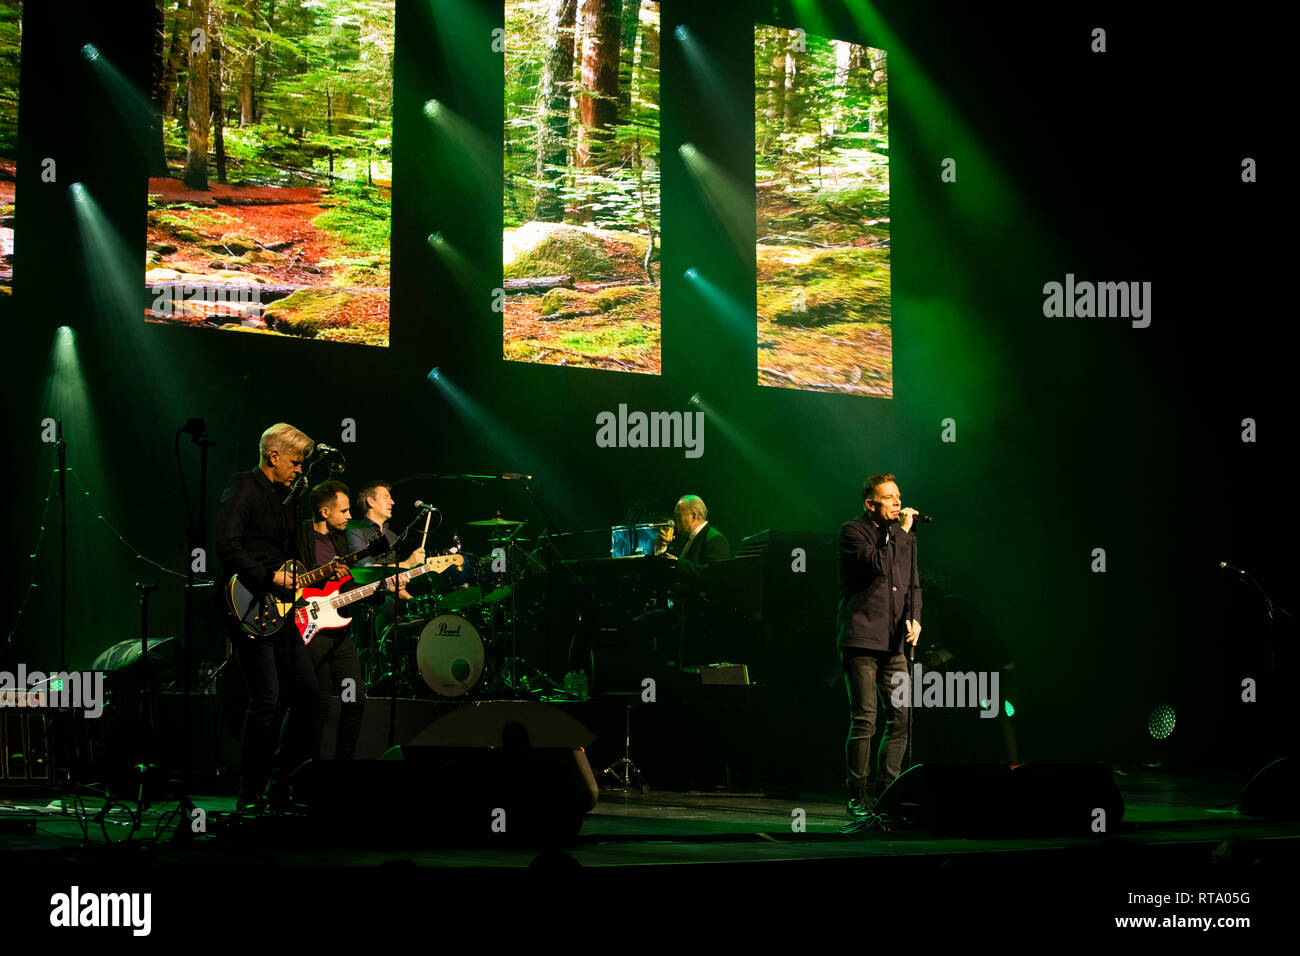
(263, 615)
(319, 610)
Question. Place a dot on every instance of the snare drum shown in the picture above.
(450, 655)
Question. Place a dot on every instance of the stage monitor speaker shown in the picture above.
(990, 800)
(451, 796)
(1274, 792)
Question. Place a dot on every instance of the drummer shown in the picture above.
(375, 502)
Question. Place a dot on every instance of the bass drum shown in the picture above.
(450, 655)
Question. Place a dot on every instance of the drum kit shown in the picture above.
(457, 635)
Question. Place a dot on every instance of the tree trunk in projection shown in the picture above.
(175, 58)
(649, 62)
(796, 82)
(629, 20)
(196, 160)
(553, 91)
(248, 73)
(775, 95)
(598, 99)
(218, 120)
(158, 94)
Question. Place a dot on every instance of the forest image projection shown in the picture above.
(821, 171)
(581, 200)
(271, 167)
(11, 45)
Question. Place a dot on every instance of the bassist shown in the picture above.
(333, 653)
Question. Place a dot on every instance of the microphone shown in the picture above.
(922, 519)
(515, 476)
(421, 506)
(328, 450)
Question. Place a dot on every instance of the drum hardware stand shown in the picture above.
(554, 561)
(623, 768)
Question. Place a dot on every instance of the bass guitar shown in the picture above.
(319, 610)
(261, 615)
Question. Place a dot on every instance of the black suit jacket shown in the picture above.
(873, 574)
(709, 545)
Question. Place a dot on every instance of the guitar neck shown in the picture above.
(357, 594)
(325, 570)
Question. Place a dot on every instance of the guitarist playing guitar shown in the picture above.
(256, 536)
(333, 653)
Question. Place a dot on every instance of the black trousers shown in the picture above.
(285, 708)
(334, 657)
(868, 676)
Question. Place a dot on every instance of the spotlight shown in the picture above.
(692, 273)
(66, 334)
(432, 108)
(90, 52)
(681, 32)
(78, 192)
(695, 400)
(435, 239)
(435, 373)
(687, 149)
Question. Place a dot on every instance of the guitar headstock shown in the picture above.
(441, 562)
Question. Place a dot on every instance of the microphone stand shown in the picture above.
(397, 613)
(911, 650)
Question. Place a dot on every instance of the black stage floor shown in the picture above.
(629, 828)
(1180, 834)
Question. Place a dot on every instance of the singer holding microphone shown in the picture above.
(879, 612)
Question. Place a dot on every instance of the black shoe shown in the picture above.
(246, 806)
(279, 801)
(860, 809)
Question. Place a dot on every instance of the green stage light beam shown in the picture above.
(67, 399)
(986, 196)
(132, 106)
(472, 280)
(500, 436)
(480, 155)
(709, 83)
(738, 318)
(460, 26)
(118, 297)
(764, 466)
(730, 204)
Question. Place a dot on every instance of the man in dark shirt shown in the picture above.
(333, 652)
(256, 535)
(879, 610)
(375, 500)
(376, 503)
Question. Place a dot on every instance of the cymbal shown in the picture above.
(498, 520)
